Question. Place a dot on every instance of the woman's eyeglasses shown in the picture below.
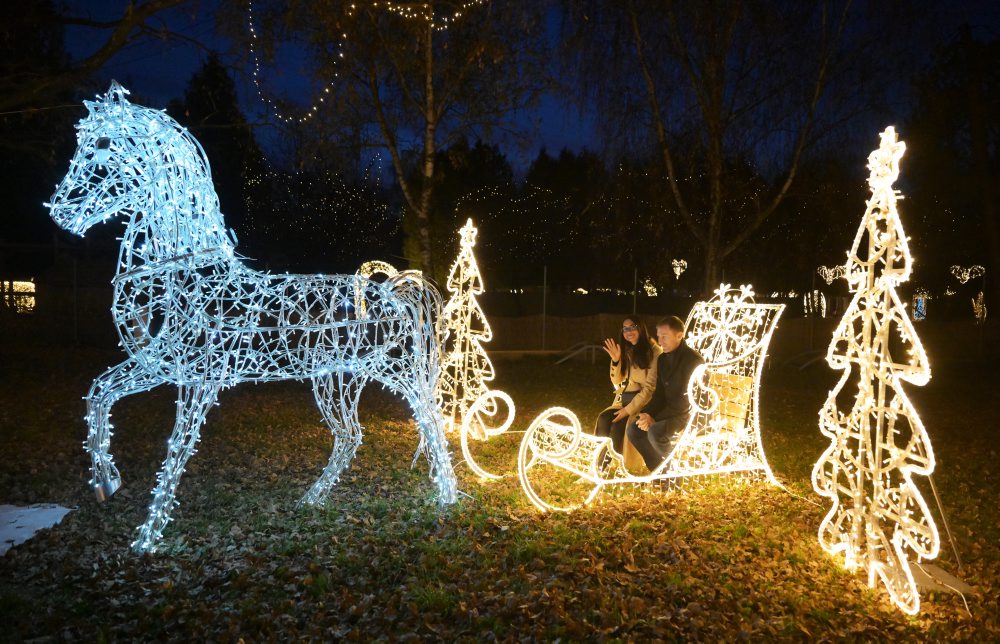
(631, 327)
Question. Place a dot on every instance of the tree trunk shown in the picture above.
(427, 185)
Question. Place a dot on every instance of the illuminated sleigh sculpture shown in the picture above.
(189, 313)
(732, 333)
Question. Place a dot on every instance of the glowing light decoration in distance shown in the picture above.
(963, 274)
(814, 304)
(679, 266)
(732, 333)
(189, 313)
(878, 519)
(649, 288)
(979, 308)
(18, 296)
(830, 273)
(919, 308)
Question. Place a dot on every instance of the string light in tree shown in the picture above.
(189, 313)
(413, 11)
(949, 291)
(963, 274)
(679, 266)
(878, 521)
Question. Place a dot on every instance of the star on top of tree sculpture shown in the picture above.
(879, 521)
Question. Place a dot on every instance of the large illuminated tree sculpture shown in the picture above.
(879, 521)
(465, 367)
(191, 314)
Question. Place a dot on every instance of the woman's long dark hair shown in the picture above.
(642, 353)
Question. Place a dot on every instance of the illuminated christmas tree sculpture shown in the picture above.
(465, 367)
(879, 520)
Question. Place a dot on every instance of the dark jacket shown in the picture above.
(673, 371)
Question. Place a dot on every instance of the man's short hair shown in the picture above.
(675, 323)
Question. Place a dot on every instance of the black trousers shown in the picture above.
(655, 444)
(604, 426)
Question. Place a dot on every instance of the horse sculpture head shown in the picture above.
(117, 169)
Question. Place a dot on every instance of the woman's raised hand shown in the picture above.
(613, 350)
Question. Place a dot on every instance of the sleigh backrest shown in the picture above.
(732, 333)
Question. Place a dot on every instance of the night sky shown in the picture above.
(158, 71)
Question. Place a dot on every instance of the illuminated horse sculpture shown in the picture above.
(189, 313)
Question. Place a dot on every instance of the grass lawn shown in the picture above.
(726, 560)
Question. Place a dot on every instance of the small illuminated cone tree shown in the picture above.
(465, 367)
(879, 521)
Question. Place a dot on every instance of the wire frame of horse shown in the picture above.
(722, 436)
(191, 314)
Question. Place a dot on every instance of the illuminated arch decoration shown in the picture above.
(878, 519)
(732, 333)
(190, 313)
(368, 270)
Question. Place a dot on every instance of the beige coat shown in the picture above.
(640, 380)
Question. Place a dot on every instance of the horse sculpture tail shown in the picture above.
(422, 302)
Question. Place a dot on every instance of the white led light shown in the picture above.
(878, 519)
(466, 402)
(191, 314)
(679, 266)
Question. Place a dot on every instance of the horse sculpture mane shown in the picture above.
(190, 313)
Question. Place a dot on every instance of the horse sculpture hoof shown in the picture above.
(106, 489)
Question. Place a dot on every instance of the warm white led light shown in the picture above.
(979, 308)
(878, 519)
(18, 296)
(191, 314)
(732, 333)
(679, 266)
(367, 270)
(963, 274)
(814, 304)
(830, 273)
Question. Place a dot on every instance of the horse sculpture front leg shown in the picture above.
(338, 402)
(111, 386)
(193, 404)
